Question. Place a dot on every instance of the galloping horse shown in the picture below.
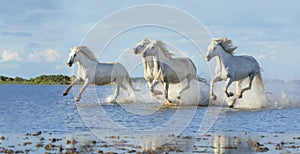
(170, 70)
(231, 68)
(148, 63)
(90, 71)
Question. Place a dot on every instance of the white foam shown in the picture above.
(197, 94)
(278, 94)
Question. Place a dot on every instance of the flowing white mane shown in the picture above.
(86, 51)
(163, 48)
(227, 45)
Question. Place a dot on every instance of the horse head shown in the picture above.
(73, 57)
(150, 50)
(211, 50)
(141, 46)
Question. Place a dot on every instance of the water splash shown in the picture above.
(196, 95)
(278, 94)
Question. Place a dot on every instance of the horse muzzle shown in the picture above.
(145, 54)
(70, 63)
(134, 50)
(207, 58)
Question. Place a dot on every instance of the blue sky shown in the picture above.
(35, 36)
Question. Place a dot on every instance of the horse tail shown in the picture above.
(259, 85)
(259, 82)
(130, 83)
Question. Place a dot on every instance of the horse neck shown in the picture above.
(224, 57)
(85, 62)
(156, 63)
(148, 62)
(162, 58)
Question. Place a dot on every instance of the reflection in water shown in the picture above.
(228, 144)
(218, 144)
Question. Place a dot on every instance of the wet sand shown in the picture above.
(229, 142)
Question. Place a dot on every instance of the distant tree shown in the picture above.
(18, 80)
(42, 79)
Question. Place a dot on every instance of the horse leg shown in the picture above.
(238, 88)
(185, 88)
(251, 77)
(228, 83)
(116, 93)
(152, 85)
(86, 83)
(232, 103)
(126, 89)
(153, 91)
(70, 86)
(238, 92)
(166, 90)
(211, 91)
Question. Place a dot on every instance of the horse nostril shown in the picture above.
(207, 58)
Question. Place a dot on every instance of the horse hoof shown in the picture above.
(240, 96)
(213, 97)
(77, 99)
(65, 94)
(230, 106)
(230, 94)
(167, 103)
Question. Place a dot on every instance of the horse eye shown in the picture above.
(152, 47)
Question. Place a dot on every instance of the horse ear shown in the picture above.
(215, 41)
(223, 39)
(233, 48)
(145, 40)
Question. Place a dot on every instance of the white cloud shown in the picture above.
(35, 56)
(49, 55)
(8, 55)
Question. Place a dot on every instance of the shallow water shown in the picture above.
(32, 108)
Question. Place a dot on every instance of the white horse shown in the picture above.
(231, 68)
(92, 72)
(148, 63)
(170, 70)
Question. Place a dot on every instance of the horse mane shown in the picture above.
(86, 51)
(163, 48)
(227, 45)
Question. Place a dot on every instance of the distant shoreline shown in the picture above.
(46, 80)
(66, 80)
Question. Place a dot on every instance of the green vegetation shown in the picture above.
(48, 79)
(43, 79)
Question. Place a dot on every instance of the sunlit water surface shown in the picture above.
(27, 109)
